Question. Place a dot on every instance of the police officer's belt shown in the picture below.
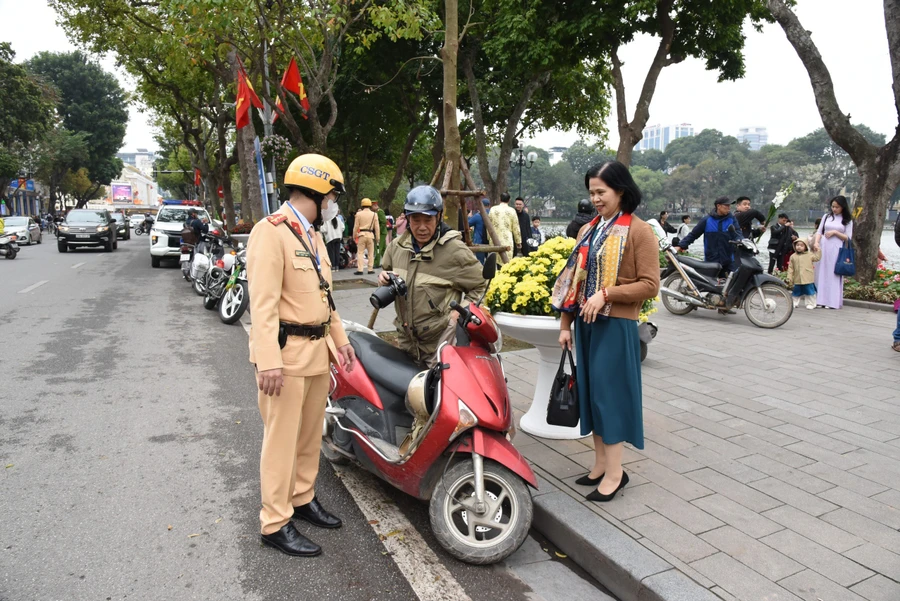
(305, 331)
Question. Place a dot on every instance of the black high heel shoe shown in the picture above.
(586, 480)
(596, 495)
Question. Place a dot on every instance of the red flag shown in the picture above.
(245, 97)
(196, 177)
(292, 82)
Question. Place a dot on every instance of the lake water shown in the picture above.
(888, 246)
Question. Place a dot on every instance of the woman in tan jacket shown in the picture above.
(613, 269)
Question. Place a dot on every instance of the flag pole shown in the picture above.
(268, 115)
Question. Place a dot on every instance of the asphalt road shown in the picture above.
(129, 446)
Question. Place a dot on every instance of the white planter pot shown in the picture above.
(543, 333)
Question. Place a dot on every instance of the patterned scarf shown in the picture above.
(573, 285)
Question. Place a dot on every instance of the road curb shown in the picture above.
(860, 304)
(623, 565)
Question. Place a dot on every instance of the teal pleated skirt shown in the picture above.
(608, 373)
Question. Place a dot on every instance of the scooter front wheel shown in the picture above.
(488, 537)
(768, 306)
(676, 283)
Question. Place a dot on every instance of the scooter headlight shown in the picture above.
(467, 420)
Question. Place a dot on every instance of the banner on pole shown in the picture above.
(261, 172)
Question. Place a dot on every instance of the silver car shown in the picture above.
(27, 230)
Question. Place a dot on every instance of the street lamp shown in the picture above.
(523, 161)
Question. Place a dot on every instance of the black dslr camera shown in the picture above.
(385, 295)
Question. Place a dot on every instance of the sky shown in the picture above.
(775, 92)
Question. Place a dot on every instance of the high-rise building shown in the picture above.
(659, 136)
(142, 159)
(754, 137)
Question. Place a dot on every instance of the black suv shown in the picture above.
(122, 229)
(88, 227)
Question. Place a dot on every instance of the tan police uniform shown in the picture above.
(367, 231)
(284, 287)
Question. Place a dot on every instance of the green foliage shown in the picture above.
(26, 104)
(582, 156)
(90, 101)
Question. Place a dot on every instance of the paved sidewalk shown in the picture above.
(771, 467)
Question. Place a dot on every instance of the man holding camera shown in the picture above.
(295, 336)
(438, 268)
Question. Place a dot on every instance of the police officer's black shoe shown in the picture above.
(315, 514)
(290, 542)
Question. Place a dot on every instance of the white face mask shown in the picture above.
(329, 211)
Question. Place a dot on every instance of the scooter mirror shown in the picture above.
(490, 267)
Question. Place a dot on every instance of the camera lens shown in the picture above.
(383, 296)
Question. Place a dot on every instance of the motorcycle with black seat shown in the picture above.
(690, 284)
(443, 435)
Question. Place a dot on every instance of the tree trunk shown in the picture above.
(630, 133)
(452, 142)
(879, 168)
(387, 195)
(251, 195)
(880, 179)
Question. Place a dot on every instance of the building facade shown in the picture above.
(142, 160)
(659, 136)
(754, 137)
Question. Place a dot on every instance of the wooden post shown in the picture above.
(437, 174)
(488, 226)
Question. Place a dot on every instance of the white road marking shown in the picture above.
(427, 576)
(77, 265)
(421, 567)
(32, 287)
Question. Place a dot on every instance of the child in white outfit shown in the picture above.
(801, 273)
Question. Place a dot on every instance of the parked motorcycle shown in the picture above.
(236, 296)
(689, 284)
(9, 248)
(208, 251)
(441, 435)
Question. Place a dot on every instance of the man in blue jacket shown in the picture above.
(479, 235)
(717, 232)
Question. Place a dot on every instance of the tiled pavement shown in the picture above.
(771, 465)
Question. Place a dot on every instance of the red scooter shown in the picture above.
(441, 435)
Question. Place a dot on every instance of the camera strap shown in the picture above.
(323, 283)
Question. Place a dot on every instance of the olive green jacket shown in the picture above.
(445, 270)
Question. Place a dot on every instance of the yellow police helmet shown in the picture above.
(314, 172)
(365, 202)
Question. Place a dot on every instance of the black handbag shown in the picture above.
(562, 410)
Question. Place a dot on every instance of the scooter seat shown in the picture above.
(387, 365)
(703, 267)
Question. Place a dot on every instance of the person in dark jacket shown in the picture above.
(479, 232)
(716, 229)
(584, 215)
(781, 240)
(775, 235)
(664, 223)
(524, 225)
(745, 216)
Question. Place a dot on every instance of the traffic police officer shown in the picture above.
(366, 233)
(295, 336)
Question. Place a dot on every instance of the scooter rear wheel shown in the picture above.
(676, 283)
(493, 536)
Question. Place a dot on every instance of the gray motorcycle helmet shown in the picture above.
(425, 200)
